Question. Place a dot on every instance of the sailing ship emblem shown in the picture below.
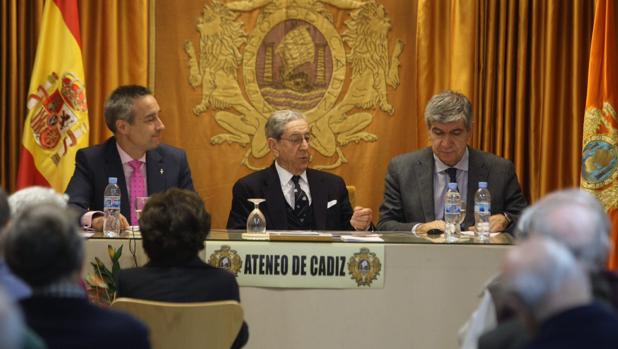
(294, 58)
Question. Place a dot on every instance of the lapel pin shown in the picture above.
(161, 171)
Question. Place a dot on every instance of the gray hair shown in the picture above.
(119, 105)
(573, 217)
(448, 106)
(541, 268)
(43, 245)
(276, 122)
(28, 197)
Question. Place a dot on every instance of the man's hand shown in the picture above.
(97, 223)
(361, 218)
(497, 223)
(425, 227)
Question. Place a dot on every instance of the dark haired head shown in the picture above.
(174, 225)
(119, 105)
(43, 245)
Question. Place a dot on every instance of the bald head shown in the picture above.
(545, 277)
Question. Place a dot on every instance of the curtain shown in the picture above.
(523, 65)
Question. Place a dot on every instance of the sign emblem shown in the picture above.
(294, 58)
(599, 155)
(226, 258)
(364, 267)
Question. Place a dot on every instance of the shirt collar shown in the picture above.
(125, 157)
(285, 176)
(462, 165)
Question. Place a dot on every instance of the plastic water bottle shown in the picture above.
(482, 211)
(452, 211)
(111, 207)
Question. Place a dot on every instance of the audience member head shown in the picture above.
(43, 246)
(5, 211)
(12, 327)
(174, 225)
(29, 197)
(288, 135)
(448, 117)
(119, 105)
(544, 279)
(573, 217)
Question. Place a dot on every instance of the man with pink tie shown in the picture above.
(134, 155)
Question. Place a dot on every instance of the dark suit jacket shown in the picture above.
(166, 167)
(408, 189)
(324, 187)
(590, 326)
(195, 281)
(66, 323)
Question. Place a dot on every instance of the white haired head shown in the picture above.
(35, 196)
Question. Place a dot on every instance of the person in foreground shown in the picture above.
(174, 225)
(297, 198)
(416, 182)
(577, 220)
(551, 293)
(134, 155)
(44, 248)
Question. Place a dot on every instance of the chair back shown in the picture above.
(212, 325)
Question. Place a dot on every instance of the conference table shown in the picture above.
(430, 288)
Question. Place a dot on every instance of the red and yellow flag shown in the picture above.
(57, 122)
(600, 143)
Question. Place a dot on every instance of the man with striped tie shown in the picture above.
(297, 197)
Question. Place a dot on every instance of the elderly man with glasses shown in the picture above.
(297, 198)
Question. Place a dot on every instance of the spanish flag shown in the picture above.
(600, 139)
(57, 121)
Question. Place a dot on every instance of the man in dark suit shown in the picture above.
(174, 226)
(416, 182)
(296, 197)
(44, 248)
(134, 155)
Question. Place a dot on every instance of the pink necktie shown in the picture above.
(137, 188)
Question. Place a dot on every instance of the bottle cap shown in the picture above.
(483, 185)
(452, 186)
(112, 180)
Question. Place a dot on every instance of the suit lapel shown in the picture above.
(424, 169)
(113, 168)
(318, 199)
(275, 201)
(477, 172)
(155, 172)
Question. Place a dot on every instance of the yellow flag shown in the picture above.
(57, 122)
(600, 152)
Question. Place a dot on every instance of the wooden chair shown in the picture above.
(212, 325)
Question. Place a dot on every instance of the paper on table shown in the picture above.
(362, 238)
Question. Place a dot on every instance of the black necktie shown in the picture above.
(301, 201)
(452, 174)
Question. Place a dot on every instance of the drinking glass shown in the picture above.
(256, 222)
(140, 202)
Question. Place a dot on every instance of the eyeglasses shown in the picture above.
(298, 139)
